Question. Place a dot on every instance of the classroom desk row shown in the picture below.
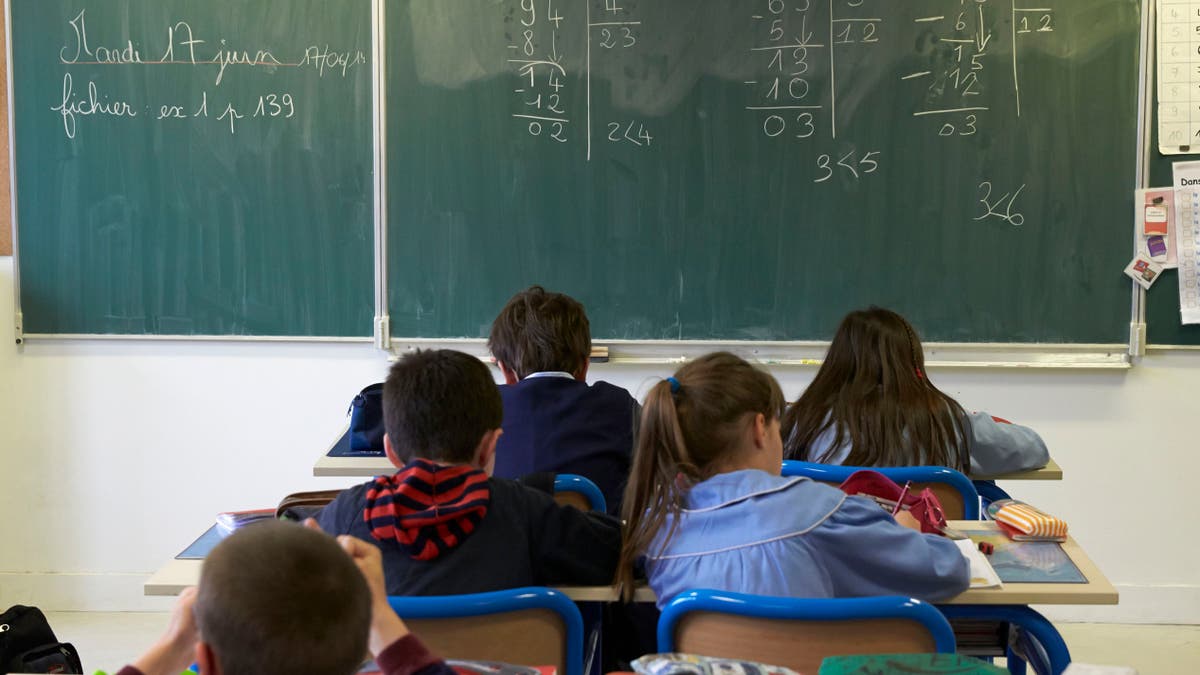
(177, 575)
(368, 467)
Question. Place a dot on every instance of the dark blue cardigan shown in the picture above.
(563, 425)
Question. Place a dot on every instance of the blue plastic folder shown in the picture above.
(1028, 561)
(342, 449)
(200, 548)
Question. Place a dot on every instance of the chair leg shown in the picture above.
(591, 613)
(1025, 619)
(1016, 664)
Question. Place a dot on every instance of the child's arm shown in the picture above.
(174, 651)
(867, 553)
(338, 516)
(571, 547)
(396, 650)
(998, 446)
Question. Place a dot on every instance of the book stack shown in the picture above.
(229, 521)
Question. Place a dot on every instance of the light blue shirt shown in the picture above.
(994, 447)
(751, 532)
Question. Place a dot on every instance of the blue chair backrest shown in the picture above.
(799, 632)
(988, 492)
(571, 483)
(510, 626)
(957, 493)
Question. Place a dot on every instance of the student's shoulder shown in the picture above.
(345, 508)
(806, 499)
(616, 395)
(507, 491)
(514, 497)
(810, 496)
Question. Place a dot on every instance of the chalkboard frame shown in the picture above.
(1016, 355)
(377, 160)
(947, 354)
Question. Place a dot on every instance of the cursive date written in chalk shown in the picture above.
(94, 104)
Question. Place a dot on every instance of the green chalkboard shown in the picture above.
(752, 169)
(194, 167)
(1163, 325)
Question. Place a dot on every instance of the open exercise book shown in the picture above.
(982, 574)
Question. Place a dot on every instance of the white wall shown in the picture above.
(114, 455)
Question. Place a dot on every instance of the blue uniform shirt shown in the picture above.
(751, 532)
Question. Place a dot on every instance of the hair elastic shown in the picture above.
(674, 385)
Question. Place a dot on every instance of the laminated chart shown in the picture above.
(1178, 77)
(1186, 178)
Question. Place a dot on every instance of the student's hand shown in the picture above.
(906, 519)
(386, 626)
(174, 651)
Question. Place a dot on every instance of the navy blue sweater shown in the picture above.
(563, 425)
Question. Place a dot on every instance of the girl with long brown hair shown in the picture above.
(872, 404)
(706, 507)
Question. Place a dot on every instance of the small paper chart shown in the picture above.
(1178, 77)
(1186, 176)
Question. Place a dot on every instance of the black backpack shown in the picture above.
(27, 645)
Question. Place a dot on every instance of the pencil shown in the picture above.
(900, 499)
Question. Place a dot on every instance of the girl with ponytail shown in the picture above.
(705, 505)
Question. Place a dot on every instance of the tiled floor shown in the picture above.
(108, 640)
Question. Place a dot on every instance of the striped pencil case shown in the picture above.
(1023, 522)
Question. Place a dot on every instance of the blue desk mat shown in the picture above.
(200, 548)
(342, 449)
(1024, 562)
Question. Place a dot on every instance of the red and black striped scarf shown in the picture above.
(428, 508)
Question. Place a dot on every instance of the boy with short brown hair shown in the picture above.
(554, 421)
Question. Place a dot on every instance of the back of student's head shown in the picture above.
(873, 390)
(438, 404)
(541, 331)
(692, 426)
(279, 598)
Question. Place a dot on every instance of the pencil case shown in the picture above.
(1022, 522)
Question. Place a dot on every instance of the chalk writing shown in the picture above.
(94, 104)
(183, 48)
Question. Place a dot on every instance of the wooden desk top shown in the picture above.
(177, 575)
(369, 467)
(1052, 471)
(362, 467)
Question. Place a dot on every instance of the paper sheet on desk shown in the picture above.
(982, 574)
(1186, 183)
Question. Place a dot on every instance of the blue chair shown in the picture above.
(1047, 651)
(799, 632)
(954, 490)
(530, 626)
(988, 492)
(579, 492)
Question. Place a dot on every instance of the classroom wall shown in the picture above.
(114, 455)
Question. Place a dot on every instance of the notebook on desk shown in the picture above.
(1025, 562)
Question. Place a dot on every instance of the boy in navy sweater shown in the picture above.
(442, 523)
(553, 420)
